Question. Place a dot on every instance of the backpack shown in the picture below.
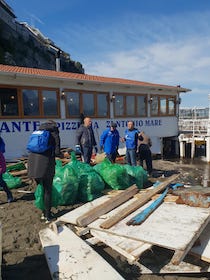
(2, 145)
(39, 141)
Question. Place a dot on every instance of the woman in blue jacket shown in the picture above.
(109, 142)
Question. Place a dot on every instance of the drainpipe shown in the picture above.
(58, 61)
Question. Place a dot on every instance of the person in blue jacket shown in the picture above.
(131, 142)
(109, 142)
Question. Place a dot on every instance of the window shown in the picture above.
(72, 100)
(88, 104)
(31, 102)
(119, 105)
(130, 105)
(141, 106)
(49, 99)
(102, 105)
(9, 102)
(162, 106)
(91, 104)
(40, 102)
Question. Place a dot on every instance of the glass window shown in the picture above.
(118, 105)
(102, 105)
(88, 104)
(8, 102)
(31, 102)
(171, 106)
(163, 106)
(141, 106)
(130, 105)
(49, 103)
(72, 99)
(154, 106)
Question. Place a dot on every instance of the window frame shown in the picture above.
(167, 97)
(136, 114)
(81, 103)
(20, 103)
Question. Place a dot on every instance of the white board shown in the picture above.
(171, 225)
(69, 257)
(203, 249)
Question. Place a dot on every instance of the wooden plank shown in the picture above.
(107, 206)
(130, 249)
(203, 248)
(69, 257)
(71, 216)
(140, 202)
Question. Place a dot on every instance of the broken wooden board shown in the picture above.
(203, 249)
(69, 257)
(171, 226)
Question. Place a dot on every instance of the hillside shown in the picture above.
(20, 47)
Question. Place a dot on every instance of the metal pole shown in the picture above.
(208, 136)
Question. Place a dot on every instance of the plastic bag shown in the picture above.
(115, 175)
(11, 181)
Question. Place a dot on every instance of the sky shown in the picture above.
(158, 41)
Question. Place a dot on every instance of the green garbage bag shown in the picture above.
(115, 175)
(66, 182)
(11, 181)
(39, 197)
(137, 174)
(17, 166)
(91, 184)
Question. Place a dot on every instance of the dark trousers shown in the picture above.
(46, 182)
(5, 187)
(87, 153)
(112, 157)
(145, 154)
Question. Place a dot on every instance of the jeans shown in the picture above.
(131, 156)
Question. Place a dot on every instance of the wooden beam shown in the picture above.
(138, 203)
(107, 206)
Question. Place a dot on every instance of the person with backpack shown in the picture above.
(3, 184)
(43, 148)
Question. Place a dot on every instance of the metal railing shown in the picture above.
(195, 126)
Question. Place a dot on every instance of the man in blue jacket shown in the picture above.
(109, 142)
(131, 141)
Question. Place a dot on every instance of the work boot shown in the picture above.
(9, 197)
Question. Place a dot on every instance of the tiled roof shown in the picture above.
(74, 76)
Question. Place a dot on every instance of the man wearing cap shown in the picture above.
(109, 142)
